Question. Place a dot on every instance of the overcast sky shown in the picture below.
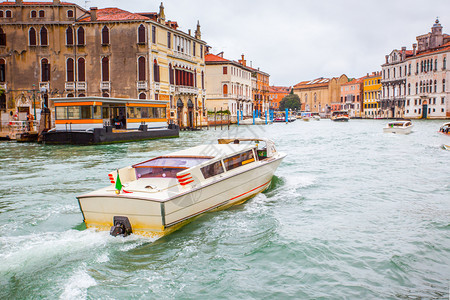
(297, 40)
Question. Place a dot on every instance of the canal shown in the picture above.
(352, 213)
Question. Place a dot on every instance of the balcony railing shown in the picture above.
(70, 86)
(105, 85)
(186, 90)
(81, 85)
(142, 85)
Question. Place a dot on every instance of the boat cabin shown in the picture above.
(399, 124)
(193, 166)
(338, 113)
(87, 113)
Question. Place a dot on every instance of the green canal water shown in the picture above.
(352, 213)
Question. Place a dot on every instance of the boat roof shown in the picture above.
(215, 150)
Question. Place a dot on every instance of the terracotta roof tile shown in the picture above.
(115, 14)
(215, 58)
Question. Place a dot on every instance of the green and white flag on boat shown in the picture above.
(118, 182)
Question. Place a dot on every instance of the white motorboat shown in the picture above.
(157, 196)
(315, 116)
(257, 121)
(403, 127)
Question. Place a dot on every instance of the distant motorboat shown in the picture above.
(402, 127)
(340, 116)
(445, 128)
(315, 116)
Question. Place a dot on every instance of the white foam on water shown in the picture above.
(28, 252)
(77, 285)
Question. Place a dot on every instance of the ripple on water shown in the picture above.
(352, 213)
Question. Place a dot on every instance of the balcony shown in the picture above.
(186, 90)
(142, 85)
(3, 86)
(69, 86)
(156, 86)
(172, 89)
(81, 85)
(105, 85)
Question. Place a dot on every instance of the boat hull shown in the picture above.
(406, 130)
(156, 218)
(340, 119)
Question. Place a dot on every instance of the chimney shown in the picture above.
(403, 53)
(387, 59)
(189, 31)
(242, 61)
(19, 2)
(414, 49)
(93, 13)
(55, 2)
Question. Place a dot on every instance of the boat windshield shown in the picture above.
(167, 166)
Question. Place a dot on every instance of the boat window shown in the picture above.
(166, 166)
(146, 112)
(241, 159)
(212, 169)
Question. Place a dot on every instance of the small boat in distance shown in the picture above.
(402, 127)
(340, 116)
(315, 116)
(445, 128)
(159, 195)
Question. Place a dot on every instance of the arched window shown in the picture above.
(81, 69)
(141, 34)
(70, 95)
(1, 14)
(444, 63)
(45, 70)
(225, 90)
(8, 14)
(409, 88)
(2, 70)
(69, 69)
(443, 85)
(106, 95)
(81, 95)
(142, 96)
(69, 36)
(41, 14)
(70, 13)
(105, 69)
(141, 68)
(2, 38)
(33, 14)
(32, 36)
(155, 71)
(435, 86)
(417, 88)
(80, 36)
(105, 36)
(431, 65)
(43, 34)
(170, 74)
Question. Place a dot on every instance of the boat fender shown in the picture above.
(122, 226)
